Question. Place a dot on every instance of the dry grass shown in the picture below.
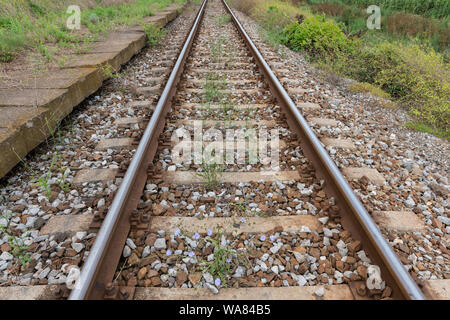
(330, 9)
(415, 25)
(409, 24)
(245, 6)
(368, 88)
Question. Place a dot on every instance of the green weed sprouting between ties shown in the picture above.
(211, 173)
(221, 266)
(109, 71)
(44, 180)
(154, 34)
(217, 49)
(222, 20)
(212, 87)
(18, 247)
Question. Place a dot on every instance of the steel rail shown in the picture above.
(355, 217)
(98, 270)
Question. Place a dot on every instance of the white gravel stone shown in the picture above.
(319, 292)
(77, 246)
(160, 244)
(126, 251)
(146, 252)
(208, 277)
(212, 288)
(131, 244)
(6, 256)
(239, 273)
(301, 281)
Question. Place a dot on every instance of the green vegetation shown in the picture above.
(422, 127)
(212, 87)
(315, 35)
(222, 20)
(367, 87)
(154, 34)
(407, 59)
(427, 8)
(56, 168)
(217, 49)
(18, 247)
(221, 266)
(37, 24)
(395, 25)
(210, 173)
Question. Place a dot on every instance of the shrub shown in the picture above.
(415, 76)
(316, 35)
(421, 82)
(153, 33)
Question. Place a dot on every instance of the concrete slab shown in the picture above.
(14, 116)
(188, 177)
(437, 289)
(115, 143)
(297, 91)
(333, 292)
(339, 143)
(28, 292)
(54, 79)
(158, 21)
(220, 71)
(67, 223)
(95, 175)
(231, 81)
(233, 145)
(127, 43)
(102, 61)
(13, 147)
(309, 106)
(234, 92)
(399, 220)
(323, 122)
(127, 121)
(45, 98)
(148, 91)
(227, 124)
(233, 225)
(357, 173)
(217, 106)
(142, 104)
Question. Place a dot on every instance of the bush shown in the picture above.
(315, 35)
(154, 34)
(420, 79)
(415, 76)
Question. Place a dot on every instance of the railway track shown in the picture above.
(287, 227)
